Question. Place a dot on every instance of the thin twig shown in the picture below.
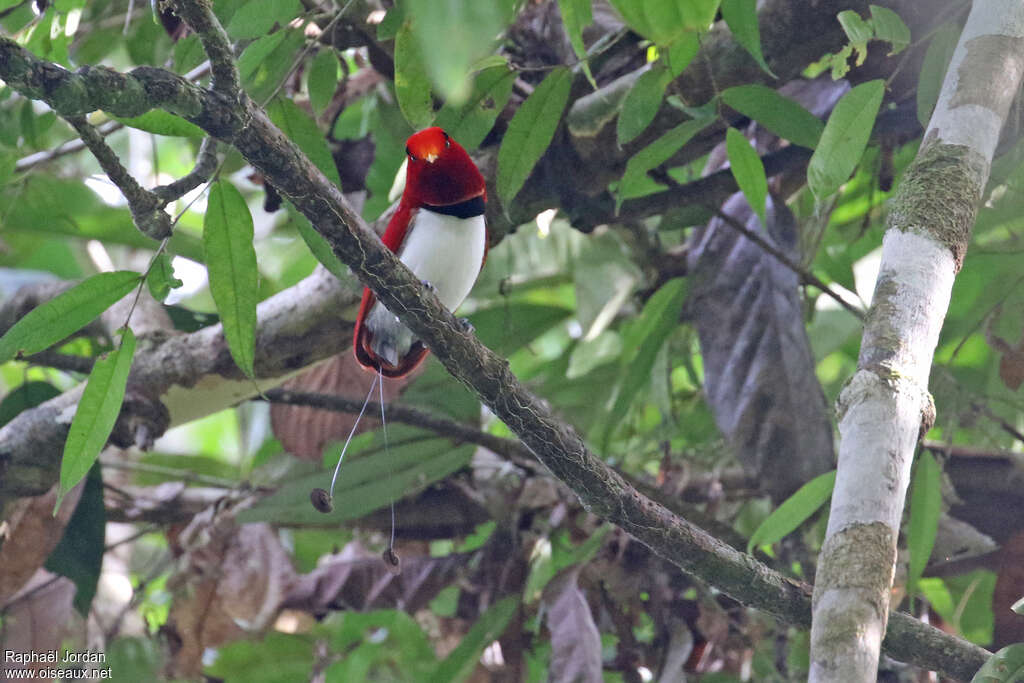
(200, 18)
(206, 164)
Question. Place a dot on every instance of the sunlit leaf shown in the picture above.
(63, 315)
(231, 261)
(160, 278)
(96, 414)
(794, 511)
(303, 131)
(266, 62)
(530, 131)
(256, 18)
(844, 138)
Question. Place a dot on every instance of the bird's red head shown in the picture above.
(439, 171)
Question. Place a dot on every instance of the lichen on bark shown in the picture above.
(939, 195)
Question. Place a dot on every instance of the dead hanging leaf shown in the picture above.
(39, 618)
(575, 640)
(1009, 626)
(305, 431)
(1011, 364)
(33, 534)
(230, 585)
(357, 579)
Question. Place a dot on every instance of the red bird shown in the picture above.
(438, 232)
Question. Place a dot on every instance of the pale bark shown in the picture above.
(885, 406)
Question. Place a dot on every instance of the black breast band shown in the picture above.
(467, 209)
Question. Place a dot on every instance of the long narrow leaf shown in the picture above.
(458, 665)
(748, 170)
(844, 139)
(530, 132)
(65, 314)
(925, 508)
(231, 260)
(794, 510)
(96, 414)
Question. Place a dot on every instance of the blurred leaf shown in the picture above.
(470, 122)
(530, 131)
(318, 246)
(256, 18)
(453, 36)
(303, 131)
(96, 413)
(231, 261)
(748, 170)
(925, 508)
(322, 79)
(793, 511)
(134, 658)
(25, 396)
(642, 103)
(392, 22)
(160, 122)
(459, 664)
(160, 279)
(587, 355)
(741, 17)
(506, 328)
(778, 113)
(412, 86)
(365, 483)
(933, 69)
(665, 21)
(681, 53)
(266, 62)
(644, 339)
(1005, 666)
(79, 554)
(844, 138)
(65, 314)
(277, 657)
(656, 154)
(604, 276)
(576, 16)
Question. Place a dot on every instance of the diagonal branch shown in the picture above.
(555, 444)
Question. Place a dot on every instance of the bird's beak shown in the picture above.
(431, 158)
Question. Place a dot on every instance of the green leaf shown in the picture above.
(665, 21)
(366, 482)
(656, 154)
(79, 554)
(587, 355)
(793, 511)
(858, 31)
(889, 27)
(160, 279)
(1005, 666)
(412, 85)
(231, 261)
(303, 131)
(277, 657)
(681, 52)
(96, 414)
(641, 104)
(388, 28)
(256, 18)
(63, 315)
(747, 168)
(322, 79)
(459, 664)
(644, 339)
(741, 17)
(470, 122)
(925, 508)
(778, 113)
(577, 15)
(25, 396)
(530, 132)
(933, 69)
(160, 122)
(452, 37)
(266, 62)
(318, 245)
(844, 138)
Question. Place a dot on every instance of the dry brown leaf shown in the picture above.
(38, 619)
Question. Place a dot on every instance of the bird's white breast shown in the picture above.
(445, 251)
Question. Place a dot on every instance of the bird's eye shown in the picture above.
(412, 157)
(447, 140)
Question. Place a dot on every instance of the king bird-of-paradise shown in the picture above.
(438, 232)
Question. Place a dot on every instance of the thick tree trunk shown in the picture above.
(886, 406)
